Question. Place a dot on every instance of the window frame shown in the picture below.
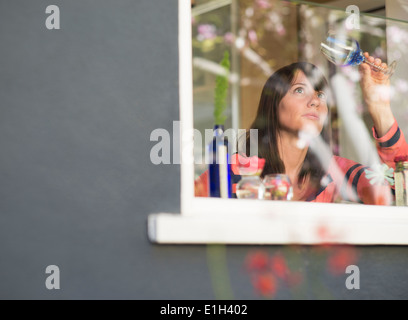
(233, 221)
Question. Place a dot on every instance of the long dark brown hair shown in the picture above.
(268, 126)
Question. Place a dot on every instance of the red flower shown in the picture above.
(257, 261)
(279, 267)
(265, 284)
(341, 259)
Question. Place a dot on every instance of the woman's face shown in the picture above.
(303, 108)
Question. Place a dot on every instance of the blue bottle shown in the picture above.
(219, 165)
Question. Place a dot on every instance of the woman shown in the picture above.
(295, 99)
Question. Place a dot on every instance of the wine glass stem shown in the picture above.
(374, 65)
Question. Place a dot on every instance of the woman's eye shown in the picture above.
(321, 95)
(299, 90)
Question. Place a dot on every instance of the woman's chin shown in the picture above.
(311, 128)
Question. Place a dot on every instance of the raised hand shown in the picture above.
(377, 94)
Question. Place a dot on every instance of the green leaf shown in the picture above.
(221, 91)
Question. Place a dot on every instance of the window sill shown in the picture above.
(323, 223)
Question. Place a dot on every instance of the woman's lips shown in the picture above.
(311, 116)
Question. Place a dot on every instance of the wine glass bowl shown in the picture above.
(277, 187)
(343, 50)
(250, 187)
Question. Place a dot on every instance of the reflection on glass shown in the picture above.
(345, 51)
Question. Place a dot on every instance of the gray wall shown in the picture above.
(76, 182)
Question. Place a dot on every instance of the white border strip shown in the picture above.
(186, 105)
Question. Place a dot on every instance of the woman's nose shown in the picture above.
(314, 100)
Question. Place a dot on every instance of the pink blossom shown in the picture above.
(206, 31)
(280, 29)
(263, 4)
(229, 38)
(253, 38)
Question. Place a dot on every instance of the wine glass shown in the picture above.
(250, 187)
(345, 51)
(277, 187)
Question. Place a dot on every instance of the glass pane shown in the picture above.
(349, 159)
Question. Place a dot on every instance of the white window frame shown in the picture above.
(232, 221)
